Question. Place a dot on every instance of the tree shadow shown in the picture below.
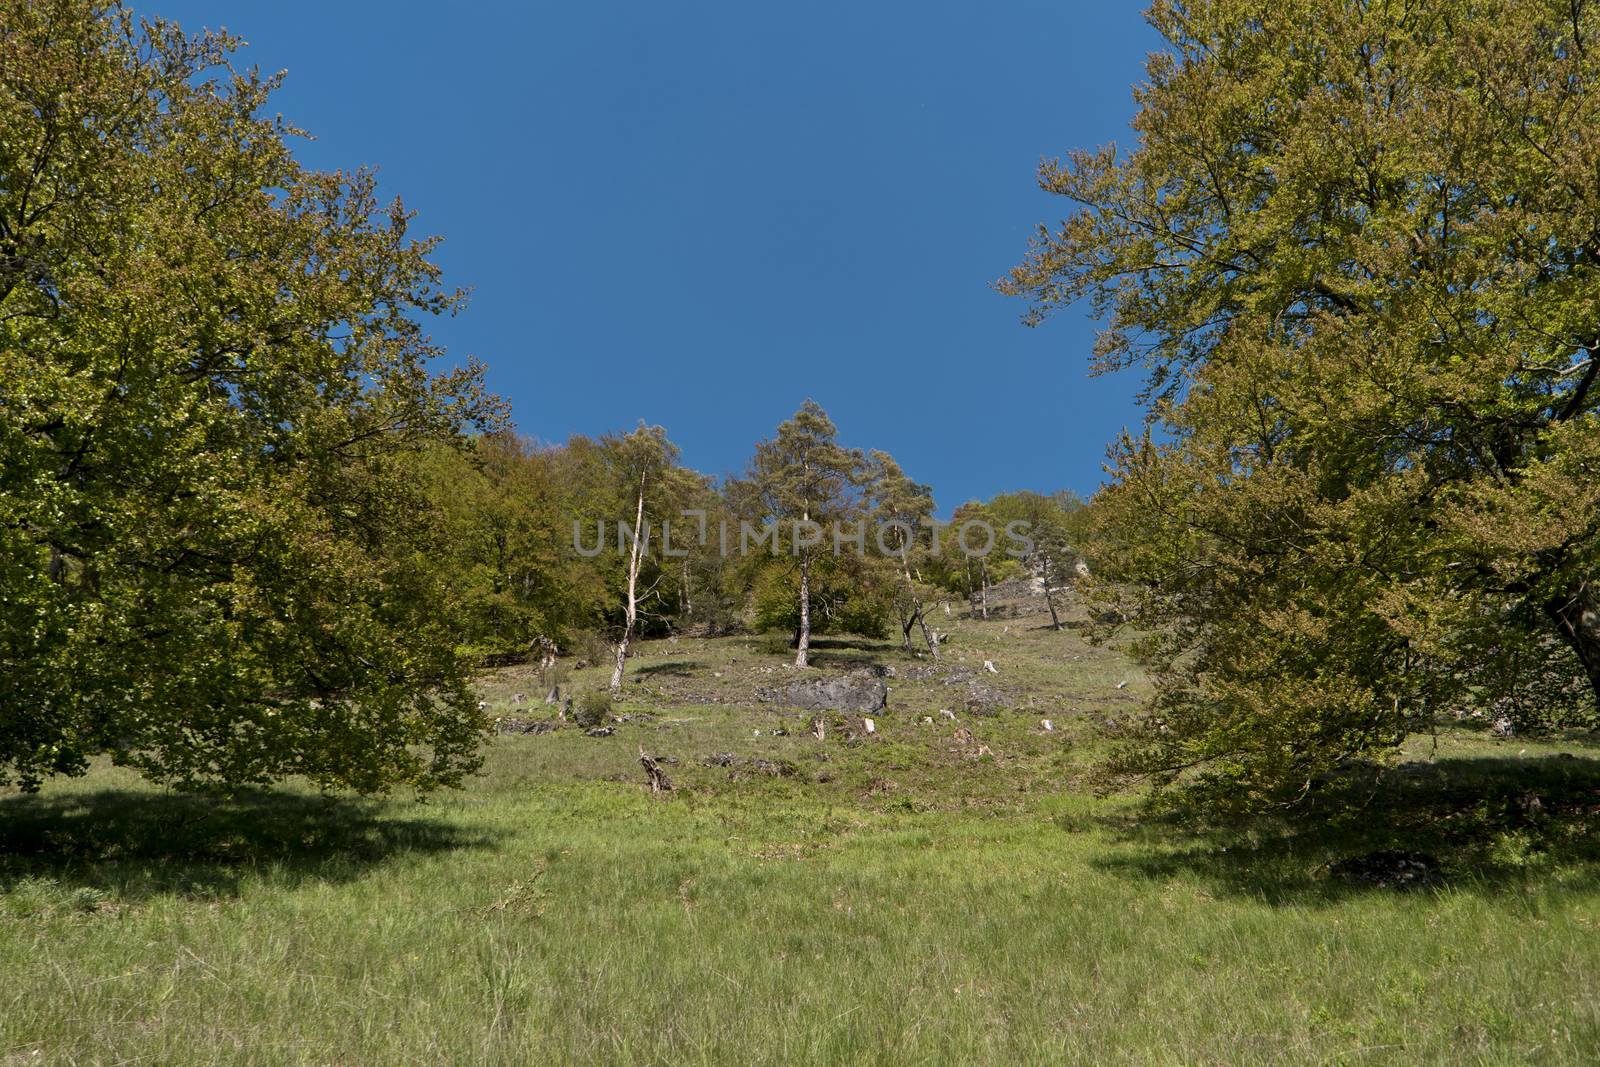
(135, 844)
(681, 668)
(1487, 823)
(854, 653)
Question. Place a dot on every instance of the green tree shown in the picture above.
(803, 479)
(848, 594)
(1047, 524)
(710, 593)
(215, 560)
(1357, 252)
(505, 512)
(971, 573)
(648, 483)
(901, 511)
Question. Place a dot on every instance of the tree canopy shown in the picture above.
(1355, 251)
(802, 478)
(214, 385)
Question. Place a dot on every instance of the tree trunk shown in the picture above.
(1577, 618)
(927, 635)
(632, 608)
(983, 589)
(803, 643)
(1055, 621)
(918, 616)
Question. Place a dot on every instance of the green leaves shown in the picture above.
(213, 396)
(1354, 250)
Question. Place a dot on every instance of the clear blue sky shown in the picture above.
(699, 214)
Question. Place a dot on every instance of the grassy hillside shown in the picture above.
(893, 899)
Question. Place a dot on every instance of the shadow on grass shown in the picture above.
(852, 653)
(680, 668)
(1486, 823)
(139, 844)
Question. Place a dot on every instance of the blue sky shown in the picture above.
(699, 214)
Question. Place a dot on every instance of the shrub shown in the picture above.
(592, 708)
(590, 648)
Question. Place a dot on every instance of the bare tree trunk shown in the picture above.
(1055, 621)
(927, 635)
(803, 640)
(983, 576)
(1577, 618)
(917, 615)
(631, 617)
(659, 782)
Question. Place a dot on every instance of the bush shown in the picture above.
(592, 708)
(590, 648)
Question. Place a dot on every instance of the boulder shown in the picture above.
(859, 691)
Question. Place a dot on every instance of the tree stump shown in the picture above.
(659, 782)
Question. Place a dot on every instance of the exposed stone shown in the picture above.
(859, 691)
(985, 699)
(739, 767)
(524, 726)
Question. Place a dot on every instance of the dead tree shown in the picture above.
(659, 782)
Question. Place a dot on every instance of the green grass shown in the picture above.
(898, 901)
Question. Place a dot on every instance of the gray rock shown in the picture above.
(859, 691)
(512, 725)
(984, 699)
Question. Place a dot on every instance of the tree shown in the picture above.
(504, 511)
(902, 509)
(847, 594)
(214, 393)
(1356, 252)
(643, 471)
(803, 479)
(1049, 528)
(976, 554)
(710, 593)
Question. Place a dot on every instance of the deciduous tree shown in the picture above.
(215, 557)
(645, 478)
(901, 510)
(1357, 251)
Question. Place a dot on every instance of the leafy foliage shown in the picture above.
(213, 393)
(1355, 252)
(593, 708)
(802, 480)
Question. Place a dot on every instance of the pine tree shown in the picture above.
(805, 481)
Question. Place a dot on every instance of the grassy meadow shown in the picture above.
(899, 899)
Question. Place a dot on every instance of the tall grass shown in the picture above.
(893, 903)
